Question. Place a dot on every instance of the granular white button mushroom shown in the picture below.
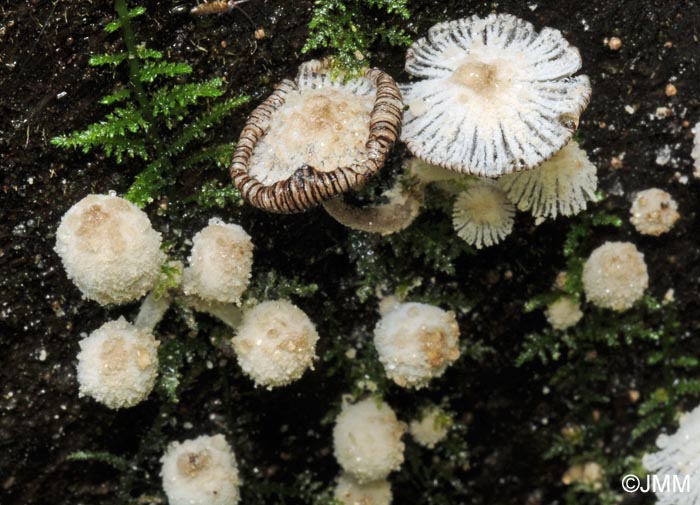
(367, 440)
(315, 138)
(416, 342)
(275, 343)
(430, 428)
(118, 364)
(654, 212)
(220, 263)
(109, 249)
(496, 96)
(482, 214)
(201, 471)
(615, 276)
(563, 313)
(349, 492)
(560, 186)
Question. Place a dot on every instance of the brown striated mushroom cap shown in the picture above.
(308, 186)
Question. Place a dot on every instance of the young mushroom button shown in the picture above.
(315, 138)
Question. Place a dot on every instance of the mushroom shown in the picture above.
(563, 313)
(367, 440)
(220, 263)
(109, 249)
(482, 214)
(431, 427)
(315, 138)
(615, 276)
(416, 342)
(200, 471)
(496, 96)
(654, 212)
(560, 186)
(349, 492)
(275, 343)
(118, 364)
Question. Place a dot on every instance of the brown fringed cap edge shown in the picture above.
(308, 187)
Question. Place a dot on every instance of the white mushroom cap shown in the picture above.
(482, 214)
(349, 492)
(109, 249)
(654, 212)
(118, 364)
(220, 263)
(430, 428)
(275, 343)
(496, 96)
(416, 342)
(201, 471)
(615, 276)
(560, 186)
(563, 313)
(315, 138)
(367, 440)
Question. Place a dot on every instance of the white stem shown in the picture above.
(385, 219)
(227, 313)
(152, 311)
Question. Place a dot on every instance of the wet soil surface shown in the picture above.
(47, 88)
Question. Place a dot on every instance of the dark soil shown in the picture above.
(47, 88)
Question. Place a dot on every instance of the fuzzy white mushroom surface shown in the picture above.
(495, 96)
(118, 364)
(562, 185)
(349, 492)
(276, 343)
(482, 214)
(654, 212)
(416, 342)
(220, 263)
(563, 313)
(430, 428)
(678, 456)
(367, 440)
(201, 471)
(109, 249)
(615, 276)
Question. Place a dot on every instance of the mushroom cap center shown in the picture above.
(191, 464)
(485, 79)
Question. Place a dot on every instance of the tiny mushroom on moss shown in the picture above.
(654, 212)
(109, 249)
(315, 138)
(495, 95)
(482, 214)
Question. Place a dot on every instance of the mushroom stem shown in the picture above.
(152, 311)
(228, 313)
(396, 215)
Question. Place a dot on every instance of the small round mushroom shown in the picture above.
(315, 138)
(431, 427)
(563, 313)
(109, 249)
(654, 212)
(367, 440)
(276, 343)
(495, 95)
(560, 186)
(482, 214)
(118, 364)
(349, 492)
(416, 342)
(615, 276)
(220, 263)
(201, 471)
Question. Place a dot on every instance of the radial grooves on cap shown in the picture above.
(308, 187)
